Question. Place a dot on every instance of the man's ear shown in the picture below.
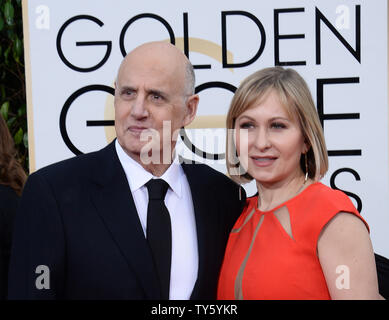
(114, 95)
(191, 105)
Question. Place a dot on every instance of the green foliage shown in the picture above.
(12, 79)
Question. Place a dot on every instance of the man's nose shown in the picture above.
(139, 108)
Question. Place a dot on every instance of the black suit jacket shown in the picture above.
(8, 205)
(78, 218)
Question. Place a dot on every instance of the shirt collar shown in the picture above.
(137, 176)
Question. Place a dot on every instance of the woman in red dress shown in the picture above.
(297, 239)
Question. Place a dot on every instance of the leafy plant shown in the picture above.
(12, 78)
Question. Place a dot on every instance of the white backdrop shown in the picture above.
(73, 50)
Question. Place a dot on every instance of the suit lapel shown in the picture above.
(115, 205)
(205, 210)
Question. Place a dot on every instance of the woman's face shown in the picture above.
(271, 143)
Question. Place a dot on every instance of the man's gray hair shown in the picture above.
(190, 79)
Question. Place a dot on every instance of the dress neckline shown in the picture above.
(285, 202)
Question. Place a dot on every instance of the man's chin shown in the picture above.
(132, 149)
(144, 155)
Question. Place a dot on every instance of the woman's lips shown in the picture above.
(263, 161)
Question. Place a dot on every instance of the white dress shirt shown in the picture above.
(178, 200)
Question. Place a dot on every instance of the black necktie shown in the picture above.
(159, 234)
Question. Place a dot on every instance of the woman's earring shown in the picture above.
(240, 184)
(306, 167)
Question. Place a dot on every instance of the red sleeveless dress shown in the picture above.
(262, 261)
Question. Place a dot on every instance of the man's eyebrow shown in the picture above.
(126, 88)
(157, 92)
(148, 91)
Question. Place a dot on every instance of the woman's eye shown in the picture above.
(278, 125)
(246, 125)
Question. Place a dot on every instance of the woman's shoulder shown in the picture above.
(320, 188)
(320, 204)
(323, 196)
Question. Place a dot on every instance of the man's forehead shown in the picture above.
(162, 57)
(149, 74)
(147, 78)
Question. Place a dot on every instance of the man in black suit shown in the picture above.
(81, 231)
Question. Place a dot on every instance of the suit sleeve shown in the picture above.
(37, 262)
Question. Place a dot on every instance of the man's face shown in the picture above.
(150, 94)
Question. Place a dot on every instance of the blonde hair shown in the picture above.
(296, 98)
